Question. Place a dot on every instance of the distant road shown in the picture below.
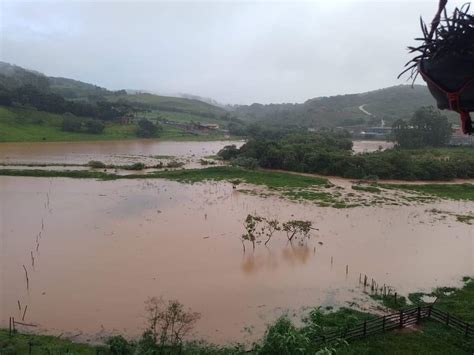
(361, 107)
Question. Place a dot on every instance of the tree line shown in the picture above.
(45, 100)
(329, 152)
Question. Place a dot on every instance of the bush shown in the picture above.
(228, 152)
(95, 164)
(285, 339)
(94, 126)
(147, 129)
(247, 163)
(71, 124)
(135, 166)
(119, 345)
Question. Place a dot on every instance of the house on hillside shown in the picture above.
(126, 119)
(207, 126)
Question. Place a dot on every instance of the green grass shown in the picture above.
(25, 125)
(433, 339)
(269, 179)
(445, 191)
(41, 344)
(172, 104)
(460, 302)
(22, 125)
(255, 177)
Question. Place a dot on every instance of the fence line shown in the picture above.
(401, 319)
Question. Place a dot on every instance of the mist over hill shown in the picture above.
(382, 106)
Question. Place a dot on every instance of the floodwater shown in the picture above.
(113, 152)
(96, 250)
(370, 146)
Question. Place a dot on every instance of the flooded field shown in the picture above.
(108, 152)
(370, 146)
(126, 152)
(94, 251)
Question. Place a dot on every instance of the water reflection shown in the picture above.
(292, 255)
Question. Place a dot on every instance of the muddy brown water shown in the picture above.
(109, 152)
(105, 246)
(125, 152)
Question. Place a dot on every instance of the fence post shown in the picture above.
(429, 310)
(365, 327)
(10, 326)
(418, 315)
(383, 324)
(447, 319)
(467, 330)
(401, 318)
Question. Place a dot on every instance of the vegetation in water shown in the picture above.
(329, 153)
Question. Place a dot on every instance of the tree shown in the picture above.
(228, 152)
(147, 129)
(427, 128)
(71, 124)
(297, 229)
(169, 322)
(94, 126)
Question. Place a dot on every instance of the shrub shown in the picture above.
(147, 129)
(95, 164)
(94, 126)
(247, 163)
(71, 124)
(119, 345)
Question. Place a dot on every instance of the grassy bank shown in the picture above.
(27, 125)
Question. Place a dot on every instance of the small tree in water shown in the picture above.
(272, 226)
(252, 233)
(168, 322)
(296, 229)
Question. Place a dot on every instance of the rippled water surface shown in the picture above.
(95, 250)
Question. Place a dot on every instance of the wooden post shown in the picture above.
(13, 324)
(401, 318)
(429, 311)
(447, 319)
(467, 330)
(365, 327)
(10, 326)
(418, 315)
(383, 324)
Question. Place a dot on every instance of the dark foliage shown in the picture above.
(147, 129)
(427, 128)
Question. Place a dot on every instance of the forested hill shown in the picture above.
(13, 79)
(367, 108)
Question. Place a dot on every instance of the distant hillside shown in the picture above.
(367, 108)
(13, 77)
(172, 104)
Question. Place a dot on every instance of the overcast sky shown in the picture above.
(233, 51)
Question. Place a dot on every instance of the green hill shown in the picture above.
(365, 109)
(13, 77)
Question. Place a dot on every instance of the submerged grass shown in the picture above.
(234, 175)
(445, 191)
